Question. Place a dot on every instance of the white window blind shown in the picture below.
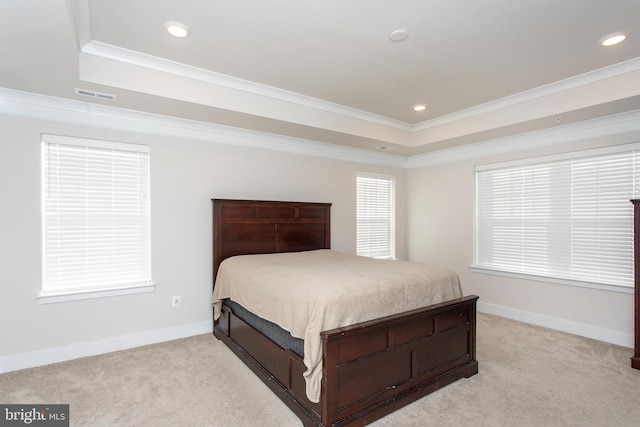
(375, 215)
(95, 215)
(567, 218)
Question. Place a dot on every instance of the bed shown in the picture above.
(367, 369)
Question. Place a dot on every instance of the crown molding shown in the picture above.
(42, 107)
(539, 92)
(131, 57)
(605, 126)
(126, 56)
(82, 21)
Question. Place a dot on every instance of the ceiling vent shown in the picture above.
(85, 92)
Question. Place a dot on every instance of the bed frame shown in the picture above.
(369, 369)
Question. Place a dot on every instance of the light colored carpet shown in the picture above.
(529, 376)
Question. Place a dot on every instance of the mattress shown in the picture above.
(269, 329)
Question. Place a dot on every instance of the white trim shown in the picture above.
(95, 143)
(30, 359)
(577, 154)
(557, 281)
(41, 107)
(589, 129)
(368, 174)
(581, 329)
(82, 20)
(91, 294)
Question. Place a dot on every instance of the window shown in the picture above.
(95, 216)
(375, 215)
(563, 217)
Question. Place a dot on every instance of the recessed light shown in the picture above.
(420, 107)
(398, 35)
(612, 39)
(384, 148)
(177, 29)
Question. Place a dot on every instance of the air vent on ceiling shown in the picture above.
(85, 92)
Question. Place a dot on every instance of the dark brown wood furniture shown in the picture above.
(369, 369)
(635, 360)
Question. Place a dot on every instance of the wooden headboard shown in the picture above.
(242, 227)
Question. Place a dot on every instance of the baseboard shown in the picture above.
(14, 362)
(584, 330)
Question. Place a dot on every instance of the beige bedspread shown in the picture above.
(309, 292)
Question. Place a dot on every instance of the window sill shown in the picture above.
(101, 293)
(566, 282)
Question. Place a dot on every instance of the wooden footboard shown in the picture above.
(369, 369)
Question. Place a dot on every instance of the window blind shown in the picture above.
(375, 215)
(567, 219)
(96, 226)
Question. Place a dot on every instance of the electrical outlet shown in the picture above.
(175, 301)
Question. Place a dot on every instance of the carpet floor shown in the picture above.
(529, 376)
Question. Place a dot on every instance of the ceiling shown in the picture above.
(327, 71)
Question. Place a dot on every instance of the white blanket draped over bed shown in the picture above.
(306, 293)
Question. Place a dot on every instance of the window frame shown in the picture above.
(391, 224)
(576, 155)
(105, 150)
